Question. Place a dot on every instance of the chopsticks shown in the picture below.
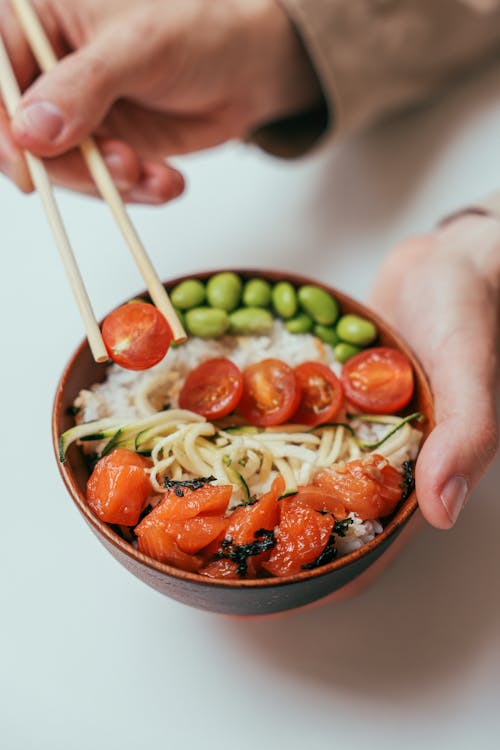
(46, 59)
(11, 95)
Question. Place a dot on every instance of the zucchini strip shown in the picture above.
(417, 416)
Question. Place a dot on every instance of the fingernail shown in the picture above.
(453, 496)
(116, 167)
(41, 119)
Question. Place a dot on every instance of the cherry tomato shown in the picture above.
(378, 379)
(213, 389)
(136, 335)
(321, 394)
(370, 487)
(271, 393)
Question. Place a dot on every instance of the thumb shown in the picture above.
(458, 451)
(67, 104)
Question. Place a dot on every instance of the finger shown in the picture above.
(139, 182)
(66, 104)
(463, 374)
(12, 162)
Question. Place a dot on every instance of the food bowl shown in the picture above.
(236, 597)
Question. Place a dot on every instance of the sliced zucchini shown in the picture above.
(246, 429)
(236, 478)
(417, 416)
(100, 429)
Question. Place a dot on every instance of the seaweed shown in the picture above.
(187, 484)
(408, 483)
(239, 553)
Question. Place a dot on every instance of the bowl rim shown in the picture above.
(399, 519)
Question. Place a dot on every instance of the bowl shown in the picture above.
(235, 597)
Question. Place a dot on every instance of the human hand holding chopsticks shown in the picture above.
(151, 80)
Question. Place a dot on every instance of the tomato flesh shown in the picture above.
(136, 335)
(378, 380)
(119, 487)
(213, 389)
(271, 393)
(321, 394)
(371, 487)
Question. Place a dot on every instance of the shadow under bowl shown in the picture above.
(235, 597)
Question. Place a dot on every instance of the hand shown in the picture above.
(151, 78)
(442, 292)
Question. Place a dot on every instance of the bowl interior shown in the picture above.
(82, 371)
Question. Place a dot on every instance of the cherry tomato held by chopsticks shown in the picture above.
(136, 335)
(213, 389)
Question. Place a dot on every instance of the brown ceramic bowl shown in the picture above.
(245, 597)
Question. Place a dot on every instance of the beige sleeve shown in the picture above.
(376, 57)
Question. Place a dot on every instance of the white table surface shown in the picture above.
(92, 658)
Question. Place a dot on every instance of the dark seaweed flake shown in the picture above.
(408, 482)
(239, 553)
(186, 484)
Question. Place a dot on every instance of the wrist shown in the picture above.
(285, 81)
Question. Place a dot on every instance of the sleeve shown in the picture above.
(376, 57)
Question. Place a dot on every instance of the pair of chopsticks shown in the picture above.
(46, 59)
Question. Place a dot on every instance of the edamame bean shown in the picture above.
(250, 320)
(356, 330)
(257, 293)
(317, 303)
(189, 293)
(328, 334)
(284, 299)
(301, 323)
(343, 351)
(224, 291)
(207, 322)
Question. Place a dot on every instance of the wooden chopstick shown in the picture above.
(46, 59)
(11, 96)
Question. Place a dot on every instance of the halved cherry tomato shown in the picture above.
(321, 394)
(378, 379)
(119, 486)
(370, 487)
(271, 393)
(302, 535)
(136, 335)
(213, 389)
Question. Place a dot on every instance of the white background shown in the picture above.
(92, 658)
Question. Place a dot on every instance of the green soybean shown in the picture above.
(356, 330)
(189, 293)
(317, 303)
(257, 293)
(207, 322)
(284, 299)
(343, 351)
(328, 334)
(301, 323)
(224, 291)
(250, 320)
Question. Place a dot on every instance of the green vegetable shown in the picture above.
(189, 293)
(301, 323)
(356, 330)
(224, 291)
(417, 416)
(245, 429)
(207, 322)
(236, 478)
(344, 351)
(257, 293)
(317, 303)
(284, 299)
(327, 334)
(250, 320)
